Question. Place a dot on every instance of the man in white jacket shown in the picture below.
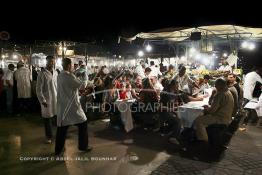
(23, 81)
(69, 110)
(46, 91)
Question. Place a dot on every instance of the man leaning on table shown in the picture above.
(220, 111)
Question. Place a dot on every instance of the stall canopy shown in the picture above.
(214, 31)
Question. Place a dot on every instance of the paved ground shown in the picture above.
(137, 153)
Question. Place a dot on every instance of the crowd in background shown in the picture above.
(146, 83)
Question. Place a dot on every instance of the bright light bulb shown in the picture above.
(148, 48)
(3, 56)
(140, 53)
(244, 44)
(15, 56)
(225, 55)
(251, 46)
(119, 56)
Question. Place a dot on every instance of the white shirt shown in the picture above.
(8, 76)
(155, 71)
(69, 110)
(46, 91)
(183, 82)
(22, 76)
(140, 71)
(250, 83)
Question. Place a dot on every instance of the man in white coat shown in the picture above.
(46, 91)
(251, 80)
(23, 79)
(69, 110)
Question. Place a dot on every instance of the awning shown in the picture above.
(221, 31)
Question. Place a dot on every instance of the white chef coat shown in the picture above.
(23, 78)
(155, 71)
(69, 110)
(46, 91)
(250, 83)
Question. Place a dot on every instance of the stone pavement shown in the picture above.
(117, 153)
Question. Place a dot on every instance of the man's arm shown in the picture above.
(215, 104)
(39, 89)
(76, 83)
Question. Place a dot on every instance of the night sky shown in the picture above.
(105, 22)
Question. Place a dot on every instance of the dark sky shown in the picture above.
(97, 23)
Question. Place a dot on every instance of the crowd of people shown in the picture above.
(65, 96)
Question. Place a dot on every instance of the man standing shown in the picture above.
(23, 79)
(8, 85)
(184, 81)
(46, 91)
(220, 111)
(69, 110)
(170, 73)
(252, 89)
(233, 90)
(250, 81)
(155, 70)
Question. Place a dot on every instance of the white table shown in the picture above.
(124, 107)
(191, 110)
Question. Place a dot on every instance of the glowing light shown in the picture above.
(62, 48)
(3, 56)
(15, 56)
(251, 46)
(244, 44)
(119, 56)
(225, 55)
(140, 53)
(148, 48)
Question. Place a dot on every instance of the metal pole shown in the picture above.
(63, 54)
